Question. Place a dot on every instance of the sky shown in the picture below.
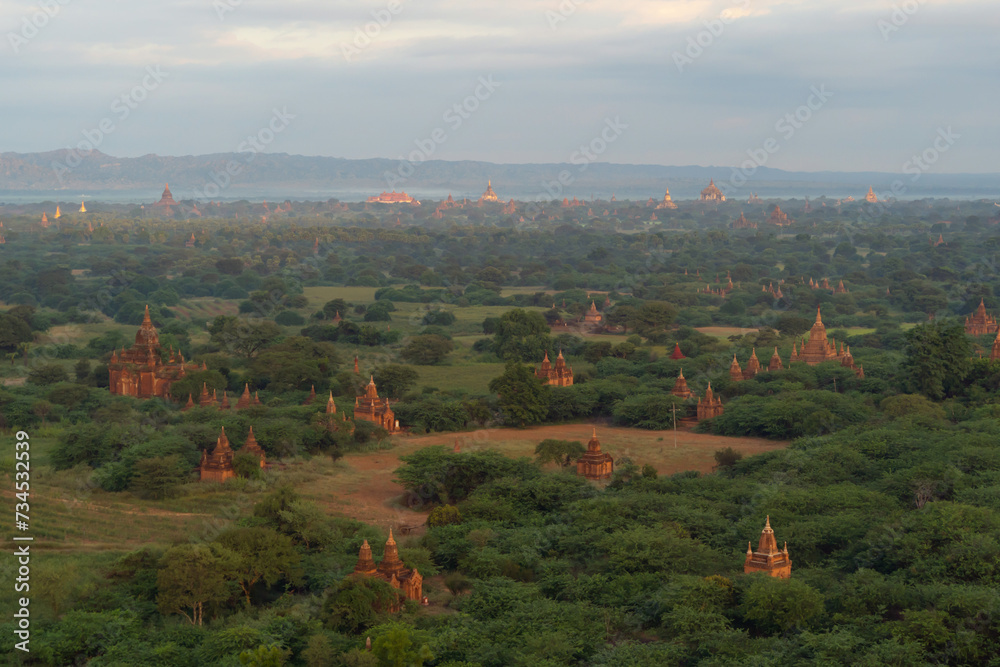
(805, 85)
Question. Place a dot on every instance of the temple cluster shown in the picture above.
(391, 570)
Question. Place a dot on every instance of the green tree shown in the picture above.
(521, 335)
(192, 576)
(395, 380)
(653, 317)
(560, 452)
(400, 645)
(48, 374)
(262, 554)
(938, 358)
(13, 332)
(159, 477)
(427, 349)
(270, 655)
(524, 398)
(243, 336)
(780, 604)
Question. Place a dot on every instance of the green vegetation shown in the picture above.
(886, 495)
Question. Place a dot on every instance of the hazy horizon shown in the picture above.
(850, 86)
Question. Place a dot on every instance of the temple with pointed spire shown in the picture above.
(595, 464)
(980, 322)
(681, 387)
(817, 349)
(870, 196)
(710, 406)
(559, 375)
(593, 316)
(217, 466)
(489, 196)
(712, 193)
(167, 205)
(252, 447)
(391, 570)
(666, 202)
(775, 363)
(768, 558)
(735, 372)
(995, 352)
(140, 371)
(753, 366)
(370, 407)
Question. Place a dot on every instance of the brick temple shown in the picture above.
(140, 371)
(370, 407)
(559, 375)
(595, 464)
(768, 558)
(391, 570)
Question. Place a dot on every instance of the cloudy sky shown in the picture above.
(684, 82)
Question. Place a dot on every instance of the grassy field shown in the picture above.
(319, 295)
(471, 378)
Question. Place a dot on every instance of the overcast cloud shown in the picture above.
(562, 69)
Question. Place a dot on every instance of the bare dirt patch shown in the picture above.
(363, 486)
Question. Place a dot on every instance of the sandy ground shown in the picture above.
(363, 486)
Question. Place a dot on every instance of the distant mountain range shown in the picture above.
(68, 175)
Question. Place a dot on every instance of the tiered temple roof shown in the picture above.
(742, 223)
(775, 363)
(681, 387)
(140, 371)
(871, 196)
(753, 366)
(779, 217)
(980, 322)
(391, 570)
(735, 372)
(251, 447)
(489, 195)
(559, 375)
(768, 558)
(667, 202)
(595, 464)
(995, 352)
(217, 466)
(817, 349)
(677, 354)
(370, 407)
(393, 198)
(592, 314)
(710, 406)
(712, 192)
(167, 204)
